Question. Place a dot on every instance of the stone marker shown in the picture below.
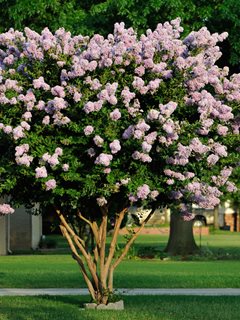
(119, 305)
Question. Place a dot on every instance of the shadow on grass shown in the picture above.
(76, 301)
(136, 308)
(41, 307)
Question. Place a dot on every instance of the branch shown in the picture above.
(91, 224)
(102, 243)
(88, 258)
(79, 260)
(69, 229)
(94, 227)
(80, 243)
(130, 241)
(96, 256)
(114, 238)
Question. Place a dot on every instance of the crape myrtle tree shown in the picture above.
(98, 16)
(94, 125)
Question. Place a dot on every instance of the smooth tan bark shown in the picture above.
(98, 266)
(125, 251)
(79, 260)
(80, 244)
(112, 248)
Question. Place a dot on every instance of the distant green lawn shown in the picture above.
(49, 271)
(60, 270)
(215, 238)
(217, 245)
(136, 308)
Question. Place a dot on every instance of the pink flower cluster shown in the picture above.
(198, 147)
(115, 115)
(143, 192)
(203, 194)
(115, 146)
(222, 130)
(52, 160)
(41, 84)
(93, 106)
(104, 159)
(98, 141)
(5, 209)
(24, 160)
(41, 172)
(127, 96)
(141, 156)
(173, 174)
(101, 201)
(167, 109)
(181, 155)
(88, 130)
(65, 167)
(20, 150)
(21, 156)
(186, 214)
(222, 178)
(50, 184)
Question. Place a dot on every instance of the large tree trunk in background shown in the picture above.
(181, 240)
(216, 217)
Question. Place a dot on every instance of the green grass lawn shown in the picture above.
(46, 271)
(219, 268)
(221, 245)
(60, 270)
(136, 308)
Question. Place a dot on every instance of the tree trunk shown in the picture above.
(98, 265)
(181, 240)
(216, 217)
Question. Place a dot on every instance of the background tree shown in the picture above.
(94, 125)
(234, 198)
(181, 238)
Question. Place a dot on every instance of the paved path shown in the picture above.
(127, 292)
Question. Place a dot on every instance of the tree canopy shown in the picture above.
(86, 119)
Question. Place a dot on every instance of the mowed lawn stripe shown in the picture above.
(136, 308)
(56, 271)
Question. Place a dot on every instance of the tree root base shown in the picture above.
(119, 305)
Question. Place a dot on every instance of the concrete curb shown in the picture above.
(123, 291)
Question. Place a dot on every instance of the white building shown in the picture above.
(19, 231)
